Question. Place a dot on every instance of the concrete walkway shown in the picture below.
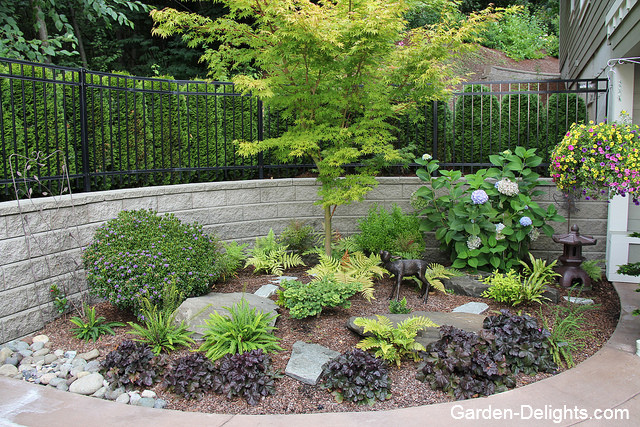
(606, 385)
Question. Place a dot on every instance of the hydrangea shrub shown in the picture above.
(135, 254)
(480, 217)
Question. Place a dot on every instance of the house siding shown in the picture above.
(582, 34)
(585, 46)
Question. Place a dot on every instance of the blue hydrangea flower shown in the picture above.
(525, 221)
(479, 197)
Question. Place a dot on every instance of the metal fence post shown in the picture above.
(434, 130)
(260, 138)
(84, 135)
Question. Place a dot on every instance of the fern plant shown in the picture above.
(94, 327)
(393, 343)
(351, 268)
(245, 329)
(272, 257)
(160, 330)
(399, 307)
(593, 270)
(434, 273)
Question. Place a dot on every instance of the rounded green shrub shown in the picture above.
(563, 109)
(393, 231)
(476, 125)
(522, 120)
(135, 254)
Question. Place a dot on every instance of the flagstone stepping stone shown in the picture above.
(471, 307)
(465, 321)
(266, 291)
(194, 311)
(280, 279)
(578, 301)
(305, 364)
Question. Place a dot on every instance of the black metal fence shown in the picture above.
(118, 131)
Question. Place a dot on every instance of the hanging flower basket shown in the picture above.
(598, 160)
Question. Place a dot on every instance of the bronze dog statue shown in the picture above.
(405, 267)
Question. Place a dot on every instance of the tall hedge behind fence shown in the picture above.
(117, 131)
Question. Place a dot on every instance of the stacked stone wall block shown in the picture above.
(242, 211)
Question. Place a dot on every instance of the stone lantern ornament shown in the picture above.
(571, 257)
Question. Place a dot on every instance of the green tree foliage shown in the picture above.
(38, 30)
(476, 124)
(330, 68)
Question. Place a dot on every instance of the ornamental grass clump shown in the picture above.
(135, 254)
(598, 160)
(481, 217)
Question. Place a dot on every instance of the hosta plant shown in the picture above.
(272, 257)
(393, 343)
(524, 343)
(465, 364)
(191, 376)
(248, 375)
(309, 299)
(358, 377)
(93, 327)
(244, 329)
(131, 365)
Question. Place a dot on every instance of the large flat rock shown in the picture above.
(465, 321)
(470, 285)
(194, 311)
(306, 361)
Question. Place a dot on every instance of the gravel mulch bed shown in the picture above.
(330, 330)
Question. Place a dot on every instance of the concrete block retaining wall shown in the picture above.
(41, 239)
